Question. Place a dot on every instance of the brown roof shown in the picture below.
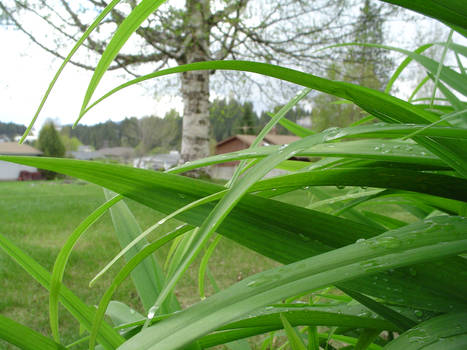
(272, 139)
(18, 149)
(280, 139)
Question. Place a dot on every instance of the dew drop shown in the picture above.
(370, 265)
(388, 242)
(418, 313)
(152, 311)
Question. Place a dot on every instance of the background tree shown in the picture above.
(297, 114)
(248, 121)
(49, 141)
(129, 132)
(230, 117)
(51, 145)
(283, 31)
(70, 143)
(11, 130)
(362, 65)
(369, 66)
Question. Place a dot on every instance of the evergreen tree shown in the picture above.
(49, 141)
(247, 122)
(11, 129)
(367, 66)
(51, 145)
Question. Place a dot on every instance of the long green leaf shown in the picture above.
(130, 244)
(296, 343)
(447, 332)
(295, 128)
(452, 12)
(267, 128)
(24, 337)
(403, 179)
(387, 313)
(107, 336)
(123, 33)
(366, 338)
(412, 244)
(341, 316)
(67, 59)
(148, 277)
(121, 313)
(454, 79)
(402, 66)
(382, 106)
(62, 259)
(381, 150)
(127, 269)
(271, 232)
(233, 196)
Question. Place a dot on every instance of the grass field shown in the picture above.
(39, 216)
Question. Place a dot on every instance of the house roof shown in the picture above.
(280, 139)
(272, 139)
(18, 149)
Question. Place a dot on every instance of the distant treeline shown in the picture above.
(11, 129)
(145, 134)
(227, 118)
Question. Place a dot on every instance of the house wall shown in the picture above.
(10, 171)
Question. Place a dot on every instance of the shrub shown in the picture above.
(51, 145)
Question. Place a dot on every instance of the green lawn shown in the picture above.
(39, 216)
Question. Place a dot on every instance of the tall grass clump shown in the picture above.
(380, 264)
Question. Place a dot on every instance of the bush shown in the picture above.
(51, 145)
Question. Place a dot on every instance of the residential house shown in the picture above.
(240, 142)
(11, 171)
(85, 152)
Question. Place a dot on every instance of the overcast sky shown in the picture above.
(26, 70)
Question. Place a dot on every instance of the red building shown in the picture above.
(241, 142)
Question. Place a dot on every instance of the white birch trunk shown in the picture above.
(195, 131)
(195, 85)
